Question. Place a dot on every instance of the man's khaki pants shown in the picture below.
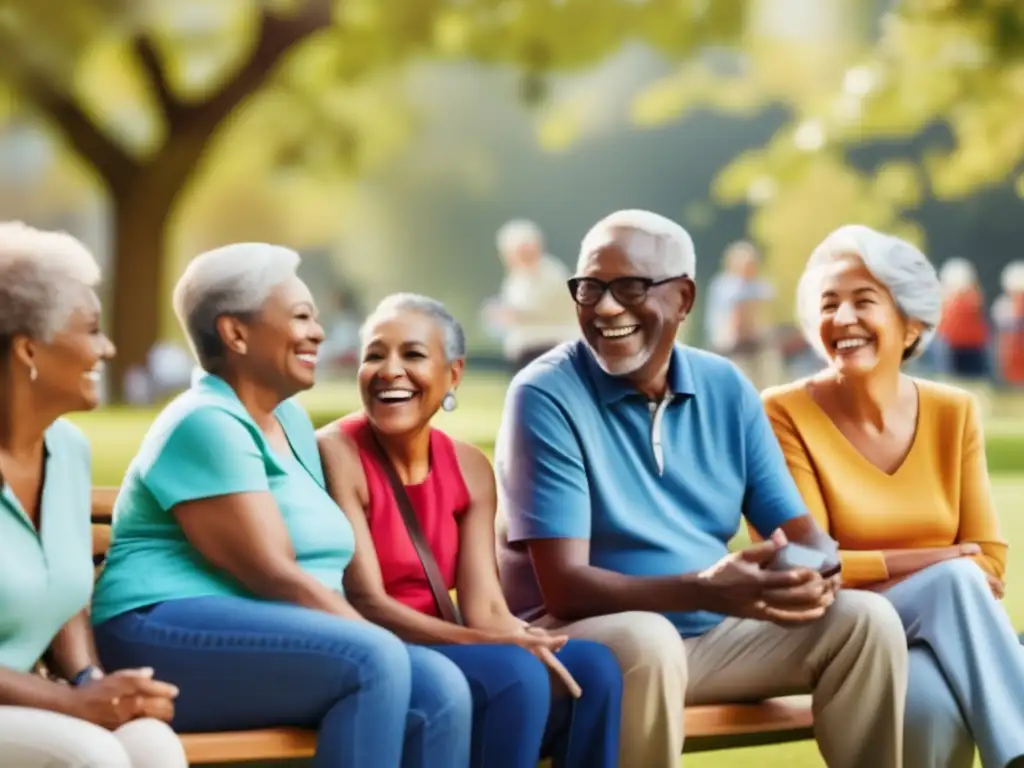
(853, 660)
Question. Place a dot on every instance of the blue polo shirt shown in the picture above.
(657, 487)
(205, 444)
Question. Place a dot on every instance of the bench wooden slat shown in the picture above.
(242, 746)
(773, 715)
(103, 503)
(709, 723)
(100, 540)
(717, 726)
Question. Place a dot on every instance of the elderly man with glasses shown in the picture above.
(625, 463)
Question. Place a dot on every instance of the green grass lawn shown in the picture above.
(116, 433)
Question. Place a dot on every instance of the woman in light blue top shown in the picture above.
(225, 572)
(51, 356)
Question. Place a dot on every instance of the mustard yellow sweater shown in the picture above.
(938, 497)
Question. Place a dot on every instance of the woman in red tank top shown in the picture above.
(411, 364)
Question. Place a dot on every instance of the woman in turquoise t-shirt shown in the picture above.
(51, 356)
(225, 572)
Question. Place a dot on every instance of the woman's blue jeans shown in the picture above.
(243, 664)
(515, 720)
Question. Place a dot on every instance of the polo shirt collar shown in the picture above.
(612, 389)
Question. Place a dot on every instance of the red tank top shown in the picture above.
(438, 501)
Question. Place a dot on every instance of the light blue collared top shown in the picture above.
(46, 574)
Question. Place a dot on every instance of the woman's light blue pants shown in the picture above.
(966, 670)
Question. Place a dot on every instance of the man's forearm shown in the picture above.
(588, 591)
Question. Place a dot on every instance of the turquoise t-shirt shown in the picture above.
(46, 575)
(205, 444)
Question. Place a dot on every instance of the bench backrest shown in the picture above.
(102, 512)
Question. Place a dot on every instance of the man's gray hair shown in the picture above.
(454, 336)
(901, 267)
(232, 280)
(676, 254)
(516, 233)
(43, 277)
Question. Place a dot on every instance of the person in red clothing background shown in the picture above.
(1008, 316)
(412, 360)
(963, 327)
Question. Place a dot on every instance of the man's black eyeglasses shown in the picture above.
(627, 291)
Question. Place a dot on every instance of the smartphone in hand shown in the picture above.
(792, 556)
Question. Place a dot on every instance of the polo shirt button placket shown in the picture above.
(657, 411)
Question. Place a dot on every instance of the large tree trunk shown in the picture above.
(138, 266)
(143, 193)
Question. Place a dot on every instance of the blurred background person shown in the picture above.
(963, 328)
(170, 368)
(340, 350)
(1008, 319)
(738, 322)
(798, 357)
(534, 312)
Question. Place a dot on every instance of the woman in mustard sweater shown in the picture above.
(894, 468)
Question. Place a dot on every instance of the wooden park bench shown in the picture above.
(720, 726)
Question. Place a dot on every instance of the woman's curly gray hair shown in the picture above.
(901, 267)
(43, 278)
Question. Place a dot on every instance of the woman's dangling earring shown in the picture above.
(449, 403)
(33, 374)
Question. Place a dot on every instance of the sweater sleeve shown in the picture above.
(979, 523)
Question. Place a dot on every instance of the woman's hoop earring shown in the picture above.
(33, 374)
(449, 403)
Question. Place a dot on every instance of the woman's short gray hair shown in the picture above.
(43, 276)
(676, 253)
(454, 336)
(231, 280)
(901, 267)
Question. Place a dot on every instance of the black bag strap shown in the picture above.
(445, 605)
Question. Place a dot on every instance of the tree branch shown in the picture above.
(277, 35)
(148, 57)
(104, 154)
